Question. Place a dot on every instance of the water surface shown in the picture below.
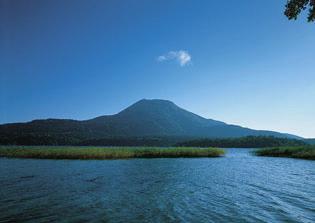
(237, 188)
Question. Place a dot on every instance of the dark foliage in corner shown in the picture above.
(294, 7)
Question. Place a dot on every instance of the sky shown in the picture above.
(241, 62)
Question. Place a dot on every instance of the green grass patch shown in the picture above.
(300, 152)
(100, 153)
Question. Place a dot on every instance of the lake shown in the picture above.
(237, 188)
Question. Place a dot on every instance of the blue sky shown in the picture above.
(241, 62)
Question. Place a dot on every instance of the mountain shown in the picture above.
(145, 118)
(154, 118)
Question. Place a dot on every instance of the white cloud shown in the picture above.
(181, 56)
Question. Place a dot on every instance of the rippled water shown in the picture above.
(237, 188)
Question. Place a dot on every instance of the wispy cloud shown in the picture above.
(181, 56)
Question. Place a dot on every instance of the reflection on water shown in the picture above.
(238, 188)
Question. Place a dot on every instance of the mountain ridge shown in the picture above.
(145, 118)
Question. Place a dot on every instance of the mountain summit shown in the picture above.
(145, 118)
(157, 118)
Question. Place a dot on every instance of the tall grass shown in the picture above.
(300, 152)
(67, 152)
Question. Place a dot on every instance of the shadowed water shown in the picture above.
(237, 188)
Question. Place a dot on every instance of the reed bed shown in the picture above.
(299, 152)
(100, 153)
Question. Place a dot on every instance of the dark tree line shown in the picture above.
(76, 140)
(38, 139)
(244, 142)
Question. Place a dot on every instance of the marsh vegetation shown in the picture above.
(68, 152)
(300, 152)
